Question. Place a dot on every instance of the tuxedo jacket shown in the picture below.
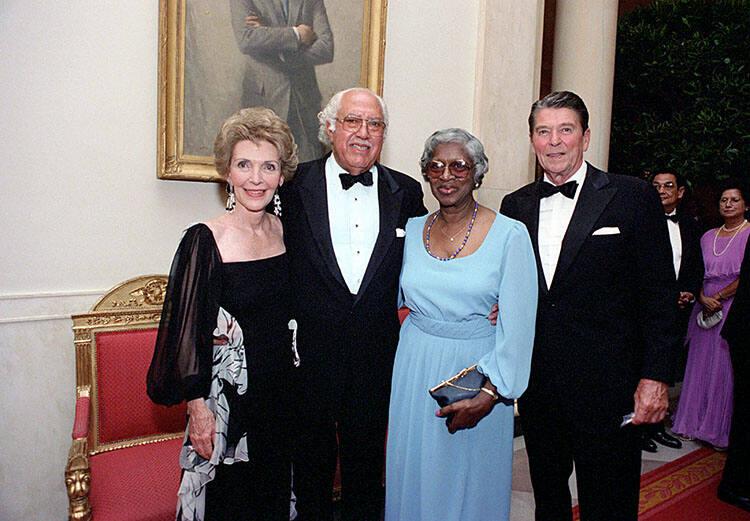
(692, 268)
(736, 328)
(608, 318)
(346, 342)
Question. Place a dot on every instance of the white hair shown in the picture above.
(327, 116)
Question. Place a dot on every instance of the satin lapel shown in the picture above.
(528, 206)
(595, 196)
(315, 201)
(390, 196)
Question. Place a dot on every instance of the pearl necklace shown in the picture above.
(736, 230)
(463, 243)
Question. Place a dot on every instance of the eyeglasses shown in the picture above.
(459, 168)
(376, 127)
(668, 186)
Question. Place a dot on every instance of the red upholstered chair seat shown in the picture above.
(136, 484)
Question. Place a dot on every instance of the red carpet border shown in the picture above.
(685, 490)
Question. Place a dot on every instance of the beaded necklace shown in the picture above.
(463, 243)
(736, 230)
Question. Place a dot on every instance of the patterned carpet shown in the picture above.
(685, 490)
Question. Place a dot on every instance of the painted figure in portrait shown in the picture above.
(283, 41)
(273, 53)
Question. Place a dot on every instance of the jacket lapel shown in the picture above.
(595, 196)
(273, 14)
(295, 8)
(528, 206)
(315, 201)
(389, 202)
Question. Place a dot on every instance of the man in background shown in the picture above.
(687, 259)
(735, 482)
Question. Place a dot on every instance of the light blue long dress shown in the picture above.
(466, 476)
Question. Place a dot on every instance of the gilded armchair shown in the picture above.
(122, 462)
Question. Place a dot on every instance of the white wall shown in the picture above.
(82, 208)
(430, 67)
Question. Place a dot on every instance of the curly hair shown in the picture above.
(469, 142)
(255, 124)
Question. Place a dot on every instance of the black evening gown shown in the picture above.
(225, 335)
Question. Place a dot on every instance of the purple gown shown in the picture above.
(704, 411)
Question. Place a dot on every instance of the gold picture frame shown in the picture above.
(185, 138)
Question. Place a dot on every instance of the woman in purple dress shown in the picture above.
(705, 408)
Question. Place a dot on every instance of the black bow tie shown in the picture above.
(672, 217)
(567, 189)
(349, 180)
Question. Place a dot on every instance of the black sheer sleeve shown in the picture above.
(183, 355)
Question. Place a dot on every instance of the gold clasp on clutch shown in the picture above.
(451, 381)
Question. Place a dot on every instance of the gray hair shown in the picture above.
(327, 116)
(471, 145)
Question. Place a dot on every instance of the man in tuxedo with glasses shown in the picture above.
(344, 218)
(687, 259)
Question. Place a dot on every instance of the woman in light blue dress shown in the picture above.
(455, 464)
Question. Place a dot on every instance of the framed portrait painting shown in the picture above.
(217, 56)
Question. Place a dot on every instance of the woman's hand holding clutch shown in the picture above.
(465, 414)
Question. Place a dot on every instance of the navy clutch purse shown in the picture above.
(462, 386)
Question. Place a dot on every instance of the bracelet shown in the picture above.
(492, 393)
(721, 297)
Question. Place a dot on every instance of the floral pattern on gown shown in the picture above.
(228, 380)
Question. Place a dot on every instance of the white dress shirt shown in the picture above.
(555, 212)
(354, 219)
(676, 239)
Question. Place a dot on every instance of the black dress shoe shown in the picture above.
(728, 496)
(661, 437)
(647, 444)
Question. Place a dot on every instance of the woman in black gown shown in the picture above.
(226, 341)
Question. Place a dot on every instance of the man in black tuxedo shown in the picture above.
(735, 482)
(344, 217)
(605, 335)
(687, 259)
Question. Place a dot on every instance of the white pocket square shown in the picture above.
(400, 232)
(607, 230)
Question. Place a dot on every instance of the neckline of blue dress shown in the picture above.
(481, 246)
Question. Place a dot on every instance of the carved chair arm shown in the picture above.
(78, 470)
(81, 421)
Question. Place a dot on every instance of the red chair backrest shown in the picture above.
(124, 409)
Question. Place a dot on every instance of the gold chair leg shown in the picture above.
(77, 481)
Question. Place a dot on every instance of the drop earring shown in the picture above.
(276, 204)
(230, 198)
